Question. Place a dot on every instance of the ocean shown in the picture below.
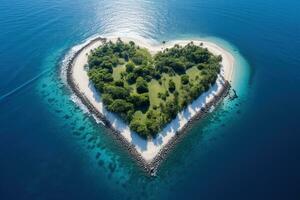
(248, 148)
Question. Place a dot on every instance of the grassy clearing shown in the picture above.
(154, 89)
(117, 72)
(193, 72)
(148, 92)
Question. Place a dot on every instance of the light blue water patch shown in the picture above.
(246, 149)
(103, 155)
(90, 140)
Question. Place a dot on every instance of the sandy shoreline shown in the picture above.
(150, 152)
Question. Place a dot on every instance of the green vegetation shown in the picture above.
(148, 92)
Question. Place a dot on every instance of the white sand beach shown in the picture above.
(149, 149)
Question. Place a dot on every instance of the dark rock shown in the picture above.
(152, 167)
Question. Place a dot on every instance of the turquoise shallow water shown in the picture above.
(246, 149)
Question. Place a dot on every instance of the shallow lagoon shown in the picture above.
(247, 149)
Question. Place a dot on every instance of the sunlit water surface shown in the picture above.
(50, 148)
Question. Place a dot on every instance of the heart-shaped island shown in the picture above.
(148, 94)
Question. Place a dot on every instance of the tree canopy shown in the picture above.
(148, 91)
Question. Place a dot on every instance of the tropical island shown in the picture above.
(147, 91)
(147, 94)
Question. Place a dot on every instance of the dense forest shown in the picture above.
(148, 91)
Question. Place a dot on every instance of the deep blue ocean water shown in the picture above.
(246, 149)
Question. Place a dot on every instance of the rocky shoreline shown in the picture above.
(151, 167)
(179, 134)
